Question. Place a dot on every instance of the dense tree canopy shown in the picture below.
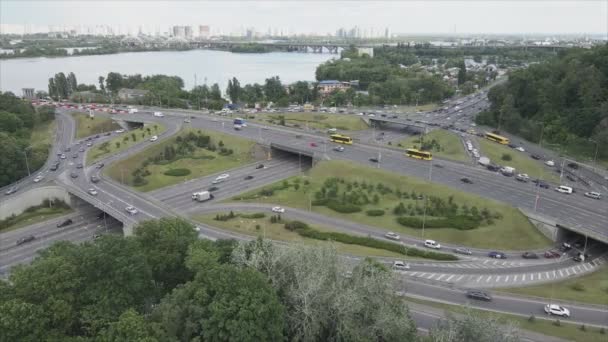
(568, 95)
(18, 118)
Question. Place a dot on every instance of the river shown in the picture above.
(208, 66)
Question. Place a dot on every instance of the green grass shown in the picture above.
(86, 126)
(38, 215)
(276, 231)
(323, 121)
(43, 134)
(101, 151)
(513, 231)
(201, 163)
(566, 331)
(591, 288)
(450, 145)
(521, 161)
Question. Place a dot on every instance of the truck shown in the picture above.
(202, 196)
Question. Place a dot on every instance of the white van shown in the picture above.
(432, 244)
(564, 189)
(332, 130)
(159, 114)
(221, 178)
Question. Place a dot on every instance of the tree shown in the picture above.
(131, 326)
(72, 83)
(165, 244)
(300, 92)
(473, 328)
(234, 90)
(273, 89)
(216, 93)
(102, 86)
(114, 82)
(61, 86)
(462, 72)
(312, 286)
(53, 88)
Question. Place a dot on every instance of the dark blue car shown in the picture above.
(497, 255)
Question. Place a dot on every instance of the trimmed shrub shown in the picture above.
(177, 172)
(344, 208)
(506, 157)
(459, 222)
(253, 216)
(375, 212)
(295, 225)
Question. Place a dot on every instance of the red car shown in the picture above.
(552, 254)
(312, 144)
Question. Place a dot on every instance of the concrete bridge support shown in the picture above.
(19, 202)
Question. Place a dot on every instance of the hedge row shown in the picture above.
(375, 212)
(253, 216)
(304, 230)
(177, 172)
(344, 208)
(459, 222)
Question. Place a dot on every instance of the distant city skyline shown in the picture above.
(313, 17)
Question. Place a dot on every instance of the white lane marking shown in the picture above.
(450, 277)
(498, 279)
(579, 268)
(431, 276)
(554, 275)
(458, 279)
(568, 272)
(414, 274)
(488, 279)
(441, 276)
(561, 274)
(547, 275)
(422, 275)
(507, 280)
(485, 261)
(586, 267)
(516, 276)
(574, 270)
(524, 278)
(479, 279)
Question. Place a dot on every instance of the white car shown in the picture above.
(159, 114)
(550, 163)
(520, 149)
(131, 210)
(591, 194)
(278, 210)
(92, 191)
(392, 236)
(432, 244)
(153, 138)
(400, 265)
(220, 178)
(38, 178)
(120, 131)
(564, 189)
(187, 120)
(372, 115)
(554, 309)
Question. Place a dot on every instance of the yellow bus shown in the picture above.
(342, 139)
(414, 153)
(497, 138)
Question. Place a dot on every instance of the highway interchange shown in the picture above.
(113, 197)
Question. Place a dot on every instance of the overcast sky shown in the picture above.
(321, 16)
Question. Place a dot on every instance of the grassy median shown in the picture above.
(123, 141)
(447, 144)
(276, 231)
(591, 288)
(86, 126)
(179, 158)
(511, 231)
(33, 215)
(322, 121)
(521, 161)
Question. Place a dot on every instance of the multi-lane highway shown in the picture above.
(114, 197)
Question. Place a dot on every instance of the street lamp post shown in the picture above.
(426, 199)
(27, 164)
(597, 145)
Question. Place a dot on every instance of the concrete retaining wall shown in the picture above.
(546, 226)
(19, 202)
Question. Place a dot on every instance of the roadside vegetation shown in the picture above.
(277, 228)
(557, 328)
(521, 161)
(86, 126)
(440, 143)
(123, 141)
(25, 132)
(320, 121)
(395, 202)
(564, 97)
(35, 214)
(194, 153)
(591, 288)
(256, 225)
